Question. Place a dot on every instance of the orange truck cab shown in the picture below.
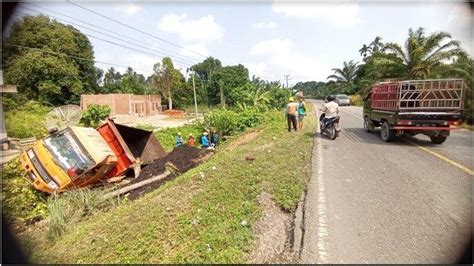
(79, 157)
(72, 157)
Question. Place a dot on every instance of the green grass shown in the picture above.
(197, 216)
(467, 126)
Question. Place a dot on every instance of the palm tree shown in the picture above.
(372, 49)
(421, 54)
(347, 74)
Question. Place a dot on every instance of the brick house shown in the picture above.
(125, 104)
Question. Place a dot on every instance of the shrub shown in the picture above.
(250, 118)
(26, 120)
(20, 200)
(225, 122)
(94, 115)
(357, 100)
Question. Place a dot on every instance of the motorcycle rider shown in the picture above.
(330, 110)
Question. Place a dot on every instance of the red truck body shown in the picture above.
(129, 144)
(429, 107)
(425, 95)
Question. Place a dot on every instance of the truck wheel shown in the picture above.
(386, 133)
(368, 125)
(438, 139)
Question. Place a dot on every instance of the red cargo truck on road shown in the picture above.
(430, 107)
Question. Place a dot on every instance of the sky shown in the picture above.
(272, 39)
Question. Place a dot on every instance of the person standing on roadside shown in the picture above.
(301, 112)
(291, 113)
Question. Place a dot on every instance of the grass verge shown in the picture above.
(467, 126)
(197, 216)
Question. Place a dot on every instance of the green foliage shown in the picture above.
(19, 199)
(249, 118)
(356, 100)
(225, 122)
(347, 74)
(94, 114)
(225, 82)
(166, 80)
(26, 120)
(44, 71)
(69, 208)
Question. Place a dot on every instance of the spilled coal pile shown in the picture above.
(180, 159)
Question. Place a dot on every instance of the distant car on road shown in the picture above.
(343, 100)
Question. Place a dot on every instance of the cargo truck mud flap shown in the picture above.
(129, 144)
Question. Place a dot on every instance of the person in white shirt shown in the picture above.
(330, 109)
(291, 114)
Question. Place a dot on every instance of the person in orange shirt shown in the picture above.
(191, 140)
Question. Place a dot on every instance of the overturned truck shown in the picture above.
(79, 157)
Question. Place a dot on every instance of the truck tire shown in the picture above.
(438, 139)
(368, 125)
(386, 133)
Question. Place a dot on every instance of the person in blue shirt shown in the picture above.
(301, 112)
(205, 140)
(215, 138)
(179, 140)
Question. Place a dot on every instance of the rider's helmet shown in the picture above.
(291, 99)
(331, 98)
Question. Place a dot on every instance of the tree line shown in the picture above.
(53, 63)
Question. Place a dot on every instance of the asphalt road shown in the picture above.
(406, 201)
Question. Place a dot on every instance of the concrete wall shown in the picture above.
(124, 104)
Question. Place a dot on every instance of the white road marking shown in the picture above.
(430, 151)
(356, 116)
(322, 210)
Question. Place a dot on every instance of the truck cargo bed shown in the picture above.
(419, 95)
(130, 143)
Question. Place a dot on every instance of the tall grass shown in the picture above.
(69, 208)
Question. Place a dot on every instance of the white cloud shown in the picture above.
(202, 30)
(340, 14)
(265, 25)
(257, 69)
(130, 9)
(460, 25)
(281, 55)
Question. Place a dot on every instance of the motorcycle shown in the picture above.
(329, 126)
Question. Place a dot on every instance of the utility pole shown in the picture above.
(195, 101)
(287, 77)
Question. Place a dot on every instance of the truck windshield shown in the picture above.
(342, 96)
(67, 153)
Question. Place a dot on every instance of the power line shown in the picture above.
(136, 29)
(96, 26)
(144, 47)
(71, 56)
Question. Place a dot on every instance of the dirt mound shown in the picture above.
(181, 159)
(174, 113)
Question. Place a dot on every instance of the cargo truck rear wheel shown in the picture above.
(386, 133)
(368, 125)
(438, 139)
